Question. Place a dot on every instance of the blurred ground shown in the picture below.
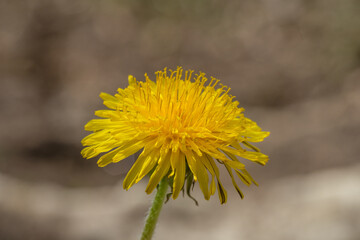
(322, 205)
(293, 65)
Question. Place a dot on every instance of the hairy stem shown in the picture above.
(154, 211)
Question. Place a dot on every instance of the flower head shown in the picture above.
(183, 124)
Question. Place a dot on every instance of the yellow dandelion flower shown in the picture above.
(181, 124)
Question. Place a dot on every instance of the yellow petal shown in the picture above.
(95, 138)
(87, 152)
(228, 168)
(100, 124)
(149, 164)
(107, 158)
(235, 162)
(109, 100)
(131, 80)
(107, 97)
(178, 161)
(245, 177)
(134, 172)
(128, 149)
(257, 157)
(206, 162)
(199, 171)
(113, 115)
(222, 193)
(160, 171)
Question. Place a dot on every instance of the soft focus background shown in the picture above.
(293, 65)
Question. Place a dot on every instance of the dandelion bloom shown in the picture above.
(181, 123)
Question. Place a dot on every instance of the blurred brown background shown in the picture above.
(293, 65)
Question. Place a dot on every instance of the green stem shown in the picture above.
(154, 211)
